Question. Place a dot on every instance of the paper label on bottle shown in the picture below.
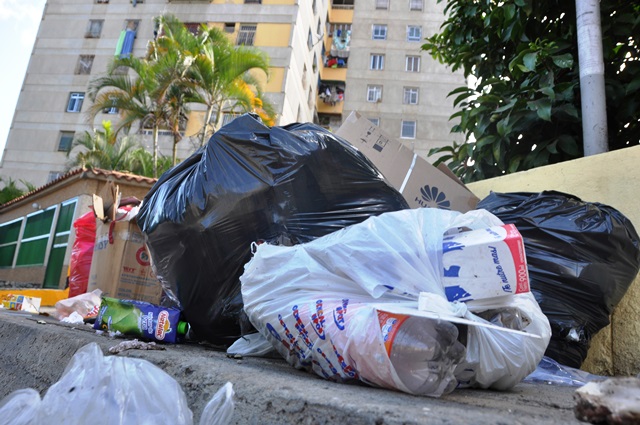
(389, 325)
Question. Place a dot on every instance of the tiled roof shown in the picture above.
(98, 172)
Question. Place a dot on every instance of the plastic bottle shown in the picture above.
(423, 352)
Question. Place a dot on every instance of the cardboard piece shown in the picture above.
(421, 184)
(120, 266)
(484, 263)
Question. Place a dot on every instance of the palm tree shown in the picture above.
(222, 75)
(100, 149)
(11, 190)
(154, 97)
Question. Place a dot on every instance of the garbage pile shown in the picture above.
(290, 239)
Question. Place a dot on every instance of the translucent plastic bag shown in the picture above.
(318, 303)
(112, 390)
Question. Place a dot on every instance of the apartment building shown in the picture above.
(328, 58)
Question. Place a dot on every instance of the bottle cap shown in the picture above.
(183, 327)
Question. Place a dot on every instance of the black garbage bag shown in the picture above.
(250, 183)
(582, 258)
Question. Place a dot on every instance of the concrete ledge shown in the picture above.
(269, 391)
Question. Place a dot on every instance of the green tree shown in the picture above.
(102, 149)
(11, 191)
(153, 97)
(225, 80)
(523, 110)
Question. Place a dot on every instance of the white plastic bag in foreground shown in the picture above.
(112, 390)
(318, 303)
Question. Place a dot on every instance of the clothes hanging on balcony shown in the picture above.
(127, 45)
(120, 43)
(340, 43)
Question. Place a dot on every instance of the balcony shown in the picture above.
(330, 98)
(342, 13)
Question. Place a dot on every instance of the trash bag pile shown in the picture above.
(284, 185)
(293, 233)
(582, 258)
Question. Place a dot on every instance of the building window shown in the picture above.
(113, 109)
(314, 65)
(85, 62)
(413, 64)
(415, 4)
(414, 33)
(193, 27)
(408, 130)
(304, 76)
(374, 93)
(377, 62)
(132, 24)
(379, 32)
(310, 40)
(410, 96)
(375, 121)
(382, 4)
(101, 1)
(246, 34)
(253, 1)
(9, 236)
(75, 102)
(230, 27)
(314, 8)
(310, 98)
(37, 239)
(94, 29)
(342, 4)
(65, 140)
(54, 175)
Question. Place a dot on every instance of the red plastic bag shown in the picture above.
(81, 254)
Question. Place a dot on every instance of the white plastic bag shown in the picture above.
(316, 302)
(112, 390)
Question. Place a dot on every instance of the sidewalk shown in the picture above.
(269, 391)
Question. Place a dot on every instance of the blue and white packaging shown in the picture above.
(484, 263)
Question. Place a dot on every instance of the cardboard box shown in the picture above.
(421, 184)
(22, 303)
(120, 266)
(484, 263)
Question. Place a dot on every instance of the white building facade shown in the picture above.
(327, 58)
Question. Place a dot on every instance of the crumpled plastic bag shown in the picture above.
(318, 303)
(112, 390)
(86, 305)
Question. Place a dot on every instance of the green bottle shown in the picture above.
(141, 319)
